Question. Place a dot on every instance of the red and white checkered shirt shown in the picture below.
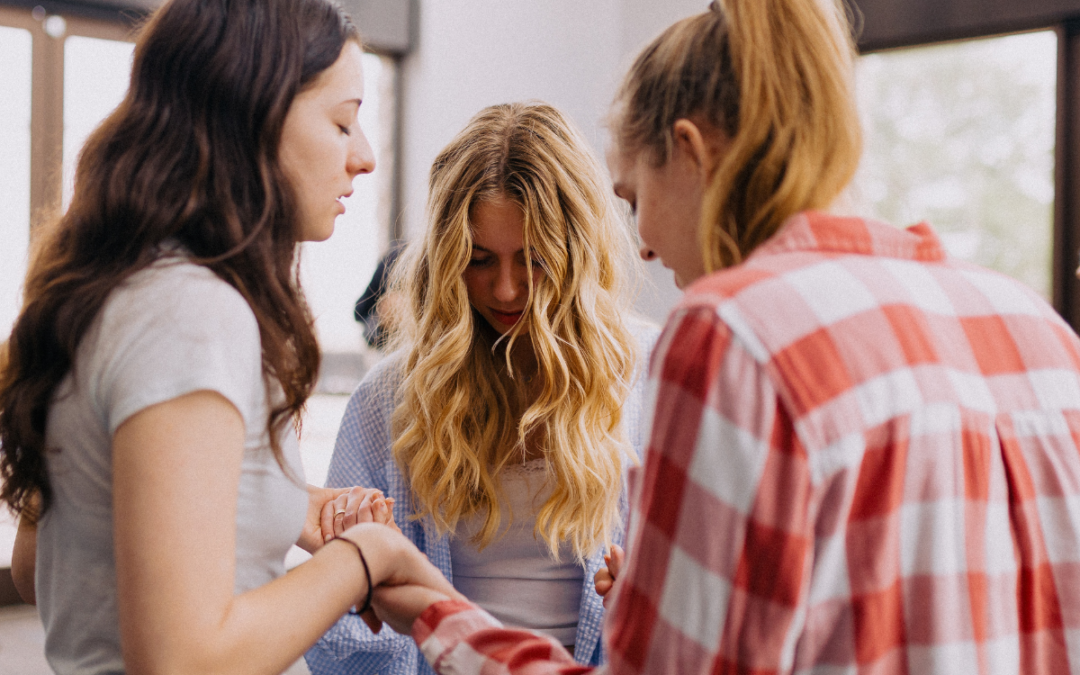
(864, 459)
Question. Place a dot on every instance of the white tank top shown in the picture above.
(515, 578)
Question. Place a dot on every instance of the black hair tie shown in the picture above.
(367, 573)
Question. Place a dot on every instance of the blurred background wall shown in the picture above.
(473, 53)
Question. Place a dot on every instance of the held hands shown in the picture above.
(356, 505)
(604, 580)
(414, 584)
(331, 511)
(405, 582)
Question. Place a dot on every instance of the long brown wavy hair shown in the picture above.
(189, 156)
(775, 77)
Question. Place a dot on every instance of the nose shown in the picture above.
(509, 283)
(361, 157)
(647, 254)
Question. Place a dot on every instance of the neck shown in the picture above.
(523, 359)
(522, 356)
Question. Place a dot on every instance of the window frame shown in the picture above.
(47, 100)
(392, 34)
(889, 24)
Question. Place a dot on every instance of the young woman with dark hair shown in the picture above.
(164, 352)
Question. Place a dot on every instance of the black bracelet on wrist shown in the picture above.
(367, 573)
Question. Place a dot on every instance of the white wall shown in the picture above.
(570, 53)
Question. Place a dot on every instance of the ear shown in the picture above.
(702, 146)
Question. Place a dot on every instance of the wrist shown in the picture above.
(380, 549)
(370, 590)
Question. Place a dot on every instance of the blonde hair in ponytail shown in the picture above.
(774, 76)
(462, 414)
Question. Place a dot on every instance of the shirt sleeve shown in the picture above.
(460, 638)
(174, 329)
(718, 547)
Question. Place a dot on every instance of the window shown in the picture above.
(962, 135)
(96, 77)
(16, 55)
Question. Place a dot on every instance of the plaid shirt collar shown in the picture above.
(826, 233)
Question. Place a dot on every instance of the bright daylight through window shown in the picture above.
(962, 135)
(15, 54)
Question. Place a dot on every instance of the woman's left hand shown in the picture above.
(604, 579)
(331, 511)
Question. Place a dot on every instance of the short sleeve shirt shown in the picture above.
(171, 329)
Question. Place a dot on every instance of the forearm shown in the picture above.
(24, 560)
(263, 630)
(176, 565)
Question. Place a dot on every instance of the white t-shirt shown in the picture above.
(169, 330)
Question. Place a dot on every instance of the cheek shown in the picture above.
(315, 159)
(289, 163)
(308, 184)
(473, 285)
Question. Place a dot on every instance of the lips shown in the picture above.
(506, 318)
(341, 200)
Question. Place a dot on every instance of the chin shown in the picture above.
(319, 234)
(501, 329)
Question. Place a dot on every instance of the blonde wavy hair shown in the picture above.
(775, 76)
(463, 414)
